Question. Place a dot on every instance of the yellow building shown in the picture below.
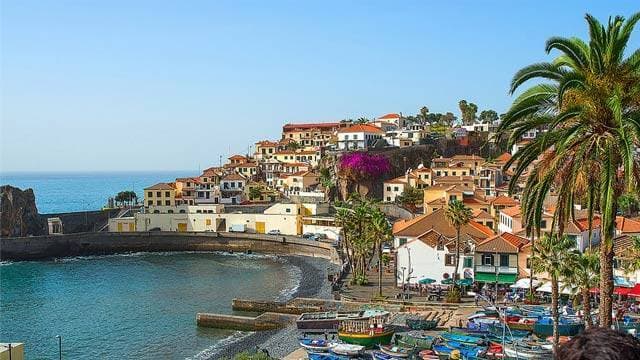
(161, 194)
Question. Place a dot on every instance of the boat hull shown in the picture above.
(544, 330)
(409, 340)
(419, 324)
(366, 340)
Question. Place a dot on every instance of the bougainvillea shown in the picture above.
(361, 165)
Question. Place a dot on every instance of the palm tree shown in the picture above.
(457, 215)
(589, 109)
(583, 276)
(553, 253)
(631, 259)
(381, 232)
(327, 181)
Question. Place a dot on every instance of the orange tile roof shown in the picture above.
(267, 143)
(481, 214)
(237, 157)
(390, 116)
(233, 176)
(627, 226)
(485, 229)
(438, 222)
(513, 211)
(504, 157)
(160, 186)
(361, 128)
(502, 243)
(320, 126)
(504, 200)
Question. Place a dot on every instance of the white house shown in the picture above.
(393, 118)
(425, 247)
(232, 188)
(358, 137)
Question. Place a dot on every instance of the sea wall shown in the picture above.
(102, 243)
(265, 321)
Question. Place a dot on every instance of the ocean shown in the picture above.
(134, 306)
(76, 191)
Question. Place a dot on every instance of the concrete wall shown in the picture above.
(51, 246)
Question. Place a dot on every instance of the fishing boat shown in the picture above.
(347, 349)
(421, 324)
(525, 324)
(544, 328)
(379, 355)
(326, 356)
(414, 339)
(520, 351)
(315, 345)
(467, 351)
(428, 355)
(464, 339)
(395, 351)
(329, 320)
(367, 332)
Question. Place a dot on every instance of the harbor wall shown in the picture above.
(265, 321)
(103, 243)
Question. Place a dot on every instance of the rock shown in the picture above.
(19, 214)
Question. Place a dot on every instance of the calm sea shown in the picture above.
(136, 306)
(66, 192)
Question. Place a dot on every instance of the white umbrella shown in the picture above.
(524, 284)
(546, 288)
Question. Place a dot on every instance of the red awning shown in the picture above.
(621, 290)
(635, 291)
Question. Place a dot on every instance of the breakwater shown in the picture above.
(103, 243)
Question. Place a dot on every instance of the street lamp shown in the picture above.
(495, 267)
(59, 346)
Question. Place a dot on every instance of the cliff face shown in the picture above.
(18, 213)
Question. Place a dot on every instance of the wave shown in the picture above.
(165, 253)
(211, 351)
(6, 263)
(294, 282)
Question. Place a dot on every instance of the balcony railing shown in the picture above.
(500, 269)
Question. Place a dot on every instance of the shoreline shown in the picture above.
(281, 342)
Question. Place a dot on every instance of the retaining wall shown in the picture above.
(52, 246)
(266, 321)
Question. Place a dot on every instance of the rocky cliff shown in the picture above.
(19, 214)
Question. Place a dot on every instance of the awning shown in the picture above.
(491, 278)
(426, 281)
(546, 288)
(635, 291)
(618, 290)
(524, 284)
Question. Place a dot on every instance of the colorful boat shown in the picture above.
(467, 352)
(464, 339)
(326, 356)
(524, 324)
(347, 349)
(395, 351)
(414, 339)
(379, 355)
(329, 320)
(520, 351)
(421, 324)
(315, 345)
(544, 328)
(367, 339)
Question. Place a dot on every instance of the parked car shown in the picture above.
(274, 232)
(321, 235)
(307, 235)
(238, 228)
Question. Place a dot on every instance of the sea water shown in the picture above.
(77, 191)
(135, 306)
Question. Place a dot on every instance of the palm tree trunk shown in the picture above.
(457, 259)
(606, 284)
(380, 268)
(533, 253)
(586, 305)
(554, 312)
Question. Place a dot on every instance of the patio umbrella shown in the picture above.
(426, 281)
(446, 282)
(524, 284)
(635, 291)
(465, 282)
(562, 289)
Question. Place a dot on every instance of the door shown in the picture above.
(182, 227)
(119, 227)
(260, 227)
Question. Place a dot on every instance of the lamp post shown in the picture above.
(403, 268)
(495, 267)
(59, 346)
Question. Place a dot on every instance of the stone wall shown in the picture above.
(52, 246)
(83, 221)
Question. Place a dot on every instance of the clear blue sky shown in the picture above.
(156, 85)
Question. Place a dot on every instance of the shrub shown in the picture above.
(453, 295)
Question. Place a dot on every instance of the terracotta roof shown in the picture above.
(267, 143)
(437, 221)
(504, 200)
(321, 126)
(361, 128)
(398, 180)
(473, 200)
(237, 157)
(503, 243)
(233, 176)
(482, 215)
(627, 226)
(160, 186)
(513, 211)
(622, 245)
(390, 116)
(503, 158)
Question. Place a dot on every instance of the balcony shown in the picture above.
(500, 269)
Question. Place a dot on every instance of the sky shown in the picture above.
(174, 85)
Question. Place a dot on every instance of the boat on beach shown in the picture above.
(326, 356)
(421, 324)
(394, 351)
(347, 349)
(368, 332)
(414, 339)
(367, 339)
(521, 351)
(315, 345)
(328, 320)
(544, 328)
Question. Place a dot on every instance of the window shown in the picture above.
(355, 136)
(402, 241)
(454, 173)
(452, 198)
(150, 194)
(388, 188)
(395, 188)
(440, 246)
(150, 202)
(288, 210)
(167, 202)
(388, 198)
(182, 211)
(208, 222)
(490, 224)
(468, 262)
(159, 193)
(543, 224)
(158, 202)
(528, 265)
(449, 260)
(504, 260)
(169, 211)
(487, 259)
(346, 137)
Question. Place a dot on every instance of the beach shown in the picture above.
(281, 342)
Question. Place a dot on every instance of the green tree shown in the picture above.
(583, 270)
(631, 258)
(381, 232)
(423, 115)
(628, 203)
(293, 146)
(553, 253)
(589, 108)
(468, 112)
(255, 192)
(448, 119)
(362, 120)
(488, 116)
(126, 197)
(410, 198)
(327, 181)
(457, 215)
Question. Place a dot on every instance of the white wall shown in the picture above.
(426, 262)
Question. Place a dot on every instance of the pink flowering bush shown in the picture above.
(361, 166)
